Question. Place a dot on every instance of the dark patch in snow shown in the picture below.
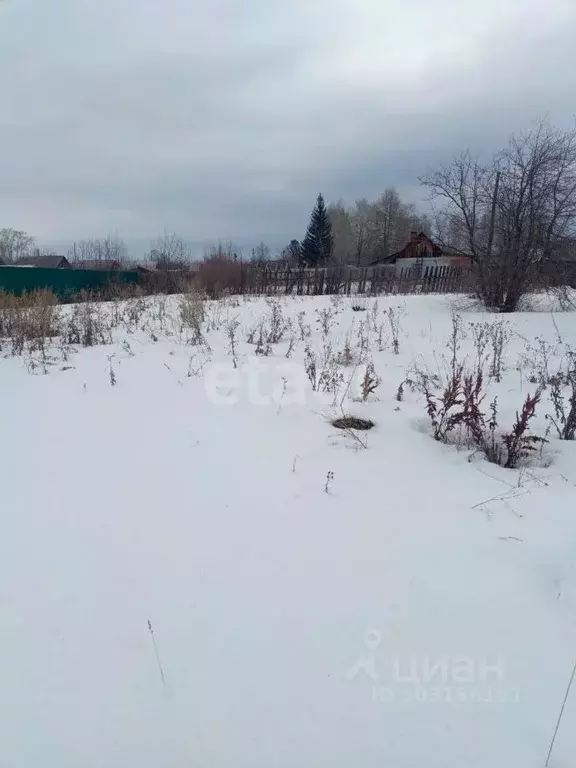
(352, 422)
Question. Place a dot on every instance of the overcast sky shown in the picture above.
(225, 118)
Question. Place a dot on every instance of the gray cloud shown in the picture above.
(224, 118)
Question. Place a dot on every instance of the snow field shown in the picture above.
(417, 608)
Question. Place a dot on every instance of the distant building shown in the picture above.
(108, 265)
(50, 262)
(421, 249)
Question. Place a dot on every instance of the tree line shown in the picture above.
(358, 235)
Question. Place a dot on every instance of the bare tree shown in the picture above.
(386, 220)
(372, 231)
(169, 251)
(341, 221)
(261, 254)
(513, 214)
(108, 248)
(14, 244)
(392, 221)
(360, 229)
(223, 250)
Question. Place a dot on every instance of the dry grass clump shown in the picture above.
(29, 320)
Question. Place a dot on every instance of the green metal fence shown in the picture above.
(65, 283)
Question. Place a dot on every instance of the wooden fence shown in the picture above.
(371, 281)
(221, 277)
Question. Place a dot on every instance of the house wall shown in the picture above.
(441, 261)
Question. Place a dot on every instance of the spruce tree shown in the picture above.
(318, 243)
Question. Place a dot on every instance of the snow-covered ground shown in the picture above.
(314, 602)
